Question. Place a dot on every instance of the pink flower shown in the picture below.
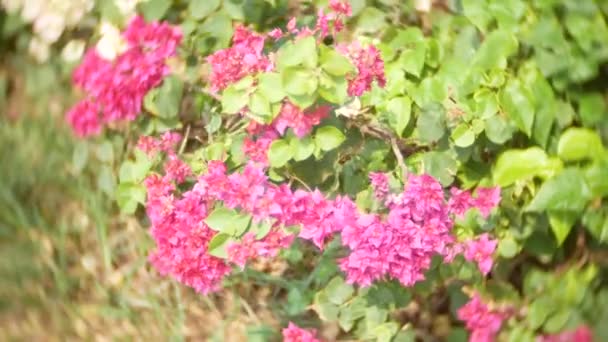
(275, 34)
(291, 25)
(148, 145)
(483, 322)
(486, 199)
(84, 119)
(239, 253)
(245, 57)
(460, 202)
(416, 228)
(291, 116)
(379, 182)
(370, 68)
(118, 87)
(293, 333)
(580, 334)
(480, 250)
(176, 169)
(341, 7)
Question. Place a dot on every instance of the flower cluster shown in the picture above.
(245, 57)
(580, 334)
(481, 320)
(379, 182)
(369, 64)
(480, 250)
(115, 88)
(293, 333)
(417, 227)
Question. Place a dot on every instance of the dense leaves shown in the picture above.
(319, 126)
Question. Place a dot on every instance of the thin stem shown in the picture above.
(399, 157)
(184, 140)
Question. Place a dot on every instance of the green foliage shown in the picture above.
(488, 93)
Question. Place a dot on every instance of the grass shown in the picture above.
(71, 267)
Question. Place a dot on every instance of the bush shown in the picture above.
(422, 173)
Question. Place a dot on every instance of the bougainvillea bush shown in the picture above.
(427, 170)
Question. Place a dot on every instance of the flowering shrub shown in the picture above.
(450, 164)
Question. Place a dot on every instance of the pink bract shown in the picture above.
(481, 250)
(293, 333)
(483, 322)
(115, 89)
(580, 334)
(245, 57)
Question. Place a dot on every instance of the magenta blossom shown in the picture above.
(486, 199)
(293, 333)
(245, 57)
(580, 334)
(481, 250)
(379, 182)
(115, 89)
(369, 64)
(483, 322)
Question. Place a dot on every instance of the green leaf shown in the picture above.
(233, 99)
(271, 86)
(228, 221)
(134, 172)
(260, 106)
(169, 97)
(154, 9)
(463, 135)
(299, 81)
(561, 224)
(302, 52)
(557, 321)
(477, 12)
(497, 129)
(595, 175)
(326, 310)
(334, 63)
(592, 109)
(567, 191)
(297, 302)
(328, 137)
(539, 311)
(279, 153)
(578, 144)
(385, 331)
(517, 103)
(400, 110)
(338, 291)
(431, 123)
(262, 228)
(413, 57)
(495, 50)
(371, 20)
(201, 8)
(128, 195)
(351, 312)
(507, 247)
(303, 148)
(334, 92)
(515, 165)
(442, 165)
(217, 245)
